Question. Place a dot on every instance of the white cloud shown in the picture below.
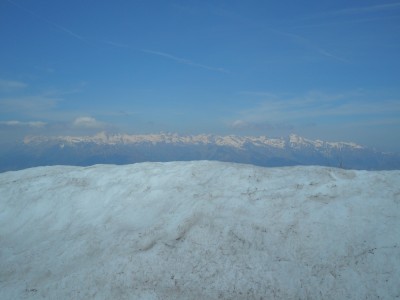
(14, 123)
(87, 122)
(239, 124)
(6, 85)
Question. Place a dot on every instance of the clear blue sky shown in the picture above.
(321, 69)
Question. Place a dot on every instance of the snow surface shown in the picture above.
(199, 230)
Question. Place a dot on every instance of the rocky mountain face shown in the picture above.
(123, 149)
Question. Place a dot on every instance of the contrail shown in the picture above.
(168, 56)
(184, 61)
(81, 38)
(65, 30)
(302, 40)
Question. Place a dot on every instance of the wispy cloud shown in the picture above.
(319, 106)
(263, 94)
(344, 22)
(6, 85)
(43, 19)
(48, 70)
(367, 9)
(28, 105)
(259, 126)
(295, 38)
(168, 56)
(184, 61)
(353, 15)
(118, 45)
(298, 39)
(14, 123)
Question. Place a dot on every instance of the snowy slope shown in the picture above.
(199, 230)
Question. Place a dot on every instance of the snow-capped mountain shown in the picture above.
(199, 230)
(124, 148)
(239, 142)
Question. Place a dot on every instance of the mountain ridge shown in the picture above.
(264, 151)
(173, 138)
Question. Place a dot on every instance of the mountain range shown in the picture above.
(106, 148)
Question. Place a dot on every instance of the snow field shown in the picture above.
(199, 230)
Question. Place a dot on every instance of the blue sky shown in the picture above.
(321, 69)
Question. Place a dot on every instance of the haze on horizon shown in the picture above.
(328, 70)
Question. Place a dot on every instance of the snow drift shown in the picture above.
(199, 230)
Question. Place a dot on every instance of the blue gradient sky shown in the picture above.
(321, 69)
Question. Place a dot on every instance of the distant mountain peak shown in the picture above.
(296, 141)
